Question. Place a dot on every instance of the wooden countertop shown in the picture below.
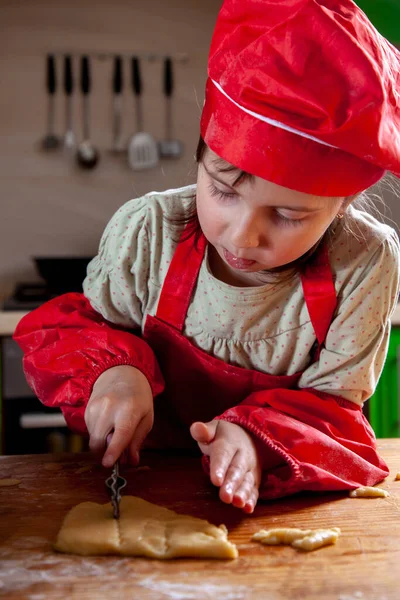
(9, 320)
(363, 565)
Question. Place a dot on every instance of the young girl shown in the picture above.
(249, 313)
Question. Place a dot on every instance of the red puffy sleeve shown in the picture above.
(320, 442)
(67, 345)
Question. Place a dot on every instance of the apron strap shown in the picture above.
(181, 278)
(319, 293)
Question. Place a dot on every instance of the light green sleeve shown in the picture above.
(116, 282)
(353, 357)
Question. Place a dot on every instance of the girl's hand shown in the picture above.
(235, 466)
(122, 403)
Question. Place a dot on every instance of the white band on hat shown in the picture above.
(271, 121)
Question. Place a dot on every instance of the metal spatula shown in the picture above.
(142, 148)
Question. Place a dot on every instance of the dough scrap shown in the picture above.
(83, 469)
(143, 529)
(9, 482)
(280, 535)
(317, 539)
(369, 492)
(301, 539)
(53, 467)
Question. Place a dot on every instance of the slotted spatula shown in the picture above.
(142, 148)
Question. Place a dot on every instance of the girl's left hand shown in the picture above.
(235, 465)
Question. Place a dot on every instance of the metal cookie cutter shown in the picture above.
(115, 483)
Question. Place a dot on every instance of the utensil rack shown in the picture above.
(180, 57)
(68, 74)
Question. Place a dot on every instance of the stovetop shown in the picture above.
(28, 296)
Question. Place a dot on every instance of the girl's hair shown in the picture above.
(363, 202)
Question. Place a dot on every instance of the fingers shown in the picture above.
(222, 460)
(203, 433)
(227, 465)
(141, 433)
(98, 437)
(121, 437)
(244, 490)
(124, 456)
(112, 433)
(251, 502)
(235, 465)
(244, 495)
(121, 403)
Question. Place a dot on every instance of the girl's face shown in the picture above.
(257, 225)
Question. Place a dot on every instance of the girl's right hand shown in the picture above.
(122, 403)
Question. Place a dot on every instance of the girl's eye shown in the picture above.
(286, 221)
(280, 219)
(214, 191)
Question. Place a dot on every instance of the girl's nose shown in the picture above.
(245, 236)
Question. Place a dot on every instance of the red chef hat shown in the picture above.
(304, 93)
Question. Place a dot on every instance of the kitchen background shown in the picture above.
(50, 206)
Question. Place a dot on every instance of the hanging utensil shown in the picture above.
(169, 148)
(142, 148)
(87, 156)
(50, 140)
(117, 85)
(69, 137)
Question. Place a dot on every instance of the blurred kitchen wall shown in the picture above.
(48, 206)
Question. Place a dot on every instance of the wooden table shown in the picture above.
(363, 565)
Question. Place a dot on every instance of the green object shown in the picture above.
(385, 15)
(384, 404)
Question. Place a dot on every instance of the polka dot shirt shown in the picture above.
(268, 327)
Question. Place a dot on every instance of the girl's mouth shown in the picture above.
(237, 263)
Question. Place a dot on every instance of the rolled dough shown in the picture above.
(143, 529)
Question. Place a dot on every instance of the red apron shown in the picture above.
(324, 441)
(199, 387)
